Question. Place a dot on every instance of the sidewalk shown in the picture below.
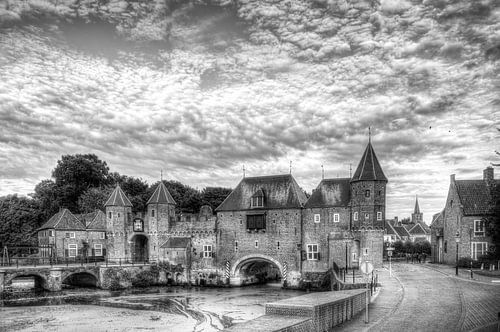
(383, 303)
(463, 273)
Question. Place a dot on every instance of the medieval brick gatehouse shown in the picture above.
(266, 229)
(267, 226)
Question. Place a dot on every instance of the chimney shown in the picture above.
(396, 218)
(488, 174)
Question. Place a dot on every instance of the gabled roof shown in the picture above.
(63, 219)
(176, 242)
(330, 192)
(475, 196)
(418, 229)
(161, 195)
(118, 198)
(369, 168)
(417, 208)
(401, 231)
(437, 220)
(98, 221)
(389, 230)
(280, 191)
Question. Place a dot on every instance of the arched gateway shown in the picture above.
(256, 268)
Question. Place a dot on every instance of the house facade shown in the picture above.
(468, 204)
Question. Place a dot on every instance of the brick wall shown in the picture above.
(279, 240)
(319, 233)
(368, 205)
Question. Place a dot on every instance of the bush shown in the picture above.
(145, 278)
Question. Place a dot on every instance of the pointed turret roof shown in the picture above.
(369, 168)
(118, 198)
(161, 196)
(417, 208)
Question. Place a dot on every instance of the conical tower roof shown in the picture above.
(161, 196)
(118, 198)
(369, 168)
(417, 208)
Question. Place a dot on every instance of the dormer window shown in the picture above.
(257, 200)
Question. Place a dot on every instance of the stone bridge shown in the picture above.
(52, 278)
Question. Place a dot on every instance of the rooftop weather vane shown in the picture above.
(161, 175)
(322, 172)
(290, 167)
(369, 134)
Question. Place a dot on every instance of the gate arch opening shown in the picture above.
(258, 269)
(80, 279)
(139, 248)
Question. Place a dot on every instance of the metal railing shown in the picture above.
(24, 262)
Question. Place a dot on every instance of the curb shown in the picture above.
(460, 278)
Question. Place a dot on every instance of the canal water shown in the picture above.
(213, 308)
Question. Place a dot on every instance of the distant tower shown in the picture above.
(368, 191)
(160, 216)
(417, 216)
(118, 218)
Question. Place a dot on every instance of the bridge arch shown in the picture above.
(246, 263)
(40, 280)
(81, 277)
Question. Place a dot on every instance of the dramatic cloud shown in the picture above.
(200, 89)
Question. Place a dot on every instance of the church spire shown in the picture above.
(417, 208)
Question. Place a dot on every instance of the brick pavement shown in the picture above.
(430, 298)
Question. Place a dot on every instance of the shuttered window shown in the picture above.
(256, 221)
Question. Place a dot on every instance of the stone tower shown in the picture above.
(118, 221)
(368, 192)
(417, 217)
(160, 217)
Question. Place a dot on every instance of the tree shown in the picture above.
(398, 247)
(74, 174)
(214, 196)
(19, 219)
(408, 247)
(94, 199)
(47, 196)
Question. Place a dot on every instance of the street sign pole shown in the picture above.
(367, 268)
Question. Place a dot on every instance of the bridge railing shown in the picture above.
(23, 262)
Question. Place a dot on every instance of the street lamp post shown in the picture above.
(457, 240)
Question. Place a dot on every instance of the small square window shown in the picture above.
(110, 215)
(317, 218)
(235, 245)
(355, 216)
(97, 249)
(312, 252)
(479, 227)
(367, 216)
(207, 251)
(152, 212)
(256, 244)
(278, 244)
(367, 193)
(336, 217)
(379, 215)
(119, 215)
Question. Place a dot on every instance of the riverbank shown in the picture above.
(90, 318)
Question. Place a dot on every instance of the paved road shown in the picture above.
(420, 298)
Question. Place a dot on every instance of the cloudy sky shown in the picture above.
(201, 88)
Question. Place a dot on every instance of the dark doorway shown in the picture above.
(140, 248)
